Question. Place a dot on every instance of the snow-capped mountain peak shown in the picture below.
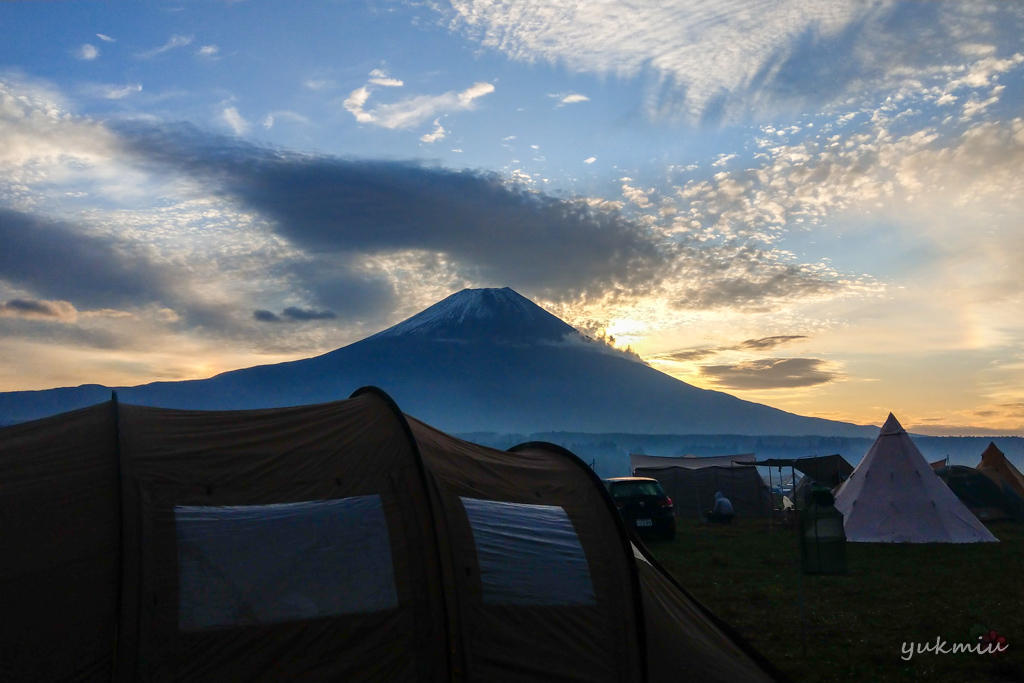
(497, 314)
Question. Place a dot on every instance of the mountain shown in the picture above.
(480, 360)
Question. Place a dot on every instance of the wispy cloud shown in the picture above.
(699, 353)
(39, 309)
(413, 110)
(569, 98)
(235, 121)
(111, 91)
(208, 51)
(433, 136)
(105, 38)
(381, 78)
(771, 373)
(174, 42)
(271, 119)
(87, 52)
(292, 314)
(706, 60)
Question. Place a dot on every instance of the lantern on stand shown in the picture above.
(822, 539)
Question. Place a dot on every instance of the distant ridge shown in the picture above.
(479, 360)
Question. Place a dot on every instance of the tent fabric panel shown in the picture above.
(503, 642)
(59, 540)
(329, 452)
(683, 643)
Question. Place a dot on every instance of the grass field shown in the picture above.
(854, 625)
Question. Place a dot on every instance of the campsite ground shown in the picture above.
(855, 625)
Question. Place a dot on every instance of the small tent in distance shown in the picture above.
(893, 496)
(996, 467)
(989, 501)
(341, 541)
(691, 482)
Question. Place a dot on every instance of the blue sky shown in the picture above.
(816, 205)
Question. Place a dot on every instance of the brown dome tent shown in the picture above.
(996, 467)
(341, 541)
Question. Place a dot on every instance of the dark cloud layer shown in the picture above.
(292, 314)
(30, 308)
(770, 373)
(56, 260)
(497, 232)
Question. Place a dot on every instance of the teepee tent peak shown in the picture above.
(894, 496)
(892, 426)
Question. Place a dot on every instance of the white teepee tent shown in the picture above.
(893, 496)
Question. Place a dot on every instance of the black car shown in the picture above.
(643, 505)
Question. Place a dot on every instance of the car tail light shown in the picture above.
(666, 502)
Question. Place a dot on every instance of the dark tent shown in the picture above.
(982, 496)
(996, 467)
(341, 541)
(691, 482)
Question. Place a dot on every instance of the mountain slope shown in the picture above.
(480, 360)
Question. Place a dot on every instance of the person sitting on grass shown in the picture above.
(722, 511)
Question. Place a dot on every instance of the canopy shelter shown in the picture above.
(996, 467)
(827, 470)
(341, 541)
(692, 481)
(893, 496)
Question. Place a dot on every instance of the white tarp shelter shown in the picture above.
(894, 496)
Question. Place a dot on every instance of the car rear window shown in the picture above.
(631, 489)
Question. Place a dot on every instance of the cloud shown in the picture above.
(58, 261)
(265, 316)
(303, 314)
(571, 98)
(292, 314)
(687, 355)
(110, 91)
(438, 133)
(489, 229)
(283, 115)
(208, 51)
(769, 342)
(770, 373)
(88, 52)
(317, 83)
(413, 110)
(699, 353)
(590, 160)
(39, 309)
(381, 78)
(713, 59)
(174, 42)
(105, 38)
(235, 120)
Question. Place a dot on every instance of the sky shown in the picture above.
(811, 204)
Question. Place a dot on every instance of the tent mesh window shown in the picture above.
(528, 554)
(263, 564)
